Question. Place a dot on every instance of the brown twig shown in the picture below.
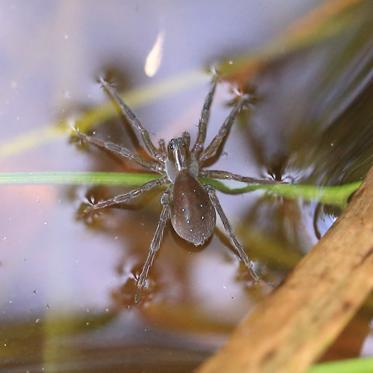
(294, 325)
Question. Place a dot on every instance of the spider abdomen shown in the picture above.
(193, 216)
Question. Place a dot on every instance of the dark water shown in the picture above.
(65, 299)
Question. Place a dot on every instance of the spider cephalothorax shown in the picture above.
(190, 205)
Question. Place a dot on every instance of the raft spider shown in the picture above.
(187, 203)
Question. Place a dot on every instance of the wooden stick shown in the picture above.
(296, 323)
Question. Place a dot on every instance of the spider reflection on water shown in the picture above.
(189, 205)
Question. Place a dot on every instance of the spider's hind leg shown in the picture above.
(154, 245)
(240, 252)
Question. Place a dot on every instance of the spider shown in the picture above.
(187, 203)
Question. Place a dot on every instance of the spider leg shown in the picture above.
(186, 138)
(205, 114)
(132, 120)
(239, 250)
(225, 175)
(122, 198)
(162, 149)
(213, 148)
(119, 151)
(155, 244)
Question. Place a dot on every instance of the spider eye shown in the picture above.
(170, 146)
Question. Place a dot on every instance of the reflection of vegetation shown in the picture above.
(333, 195)
(319, 24)
(100, 114)
(314, 27)
(267, 249)
(31, 335)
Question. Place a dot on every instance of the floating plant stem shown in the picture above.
(333, 195)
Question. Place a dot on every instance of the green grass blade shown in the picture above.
(77, 178)
(334, 195)
(362, 365)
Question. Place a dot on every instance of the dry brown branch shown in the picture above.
(295, 324)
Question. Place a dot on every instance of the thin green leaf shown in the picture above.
(77, 178)
(334, 195)
(362, 365)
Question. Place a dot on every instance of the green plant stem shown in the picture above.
(77, 178)
(362, 365)
(333, 195)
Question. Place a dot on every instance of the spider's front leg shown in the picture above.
(155, 244)
(240, 252)
(205, 114)
(123, 198)
(225, 175)
(217, 142)
(119, 151)
(132, 120)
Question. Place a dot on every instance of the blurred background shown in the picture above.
(66, 284)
